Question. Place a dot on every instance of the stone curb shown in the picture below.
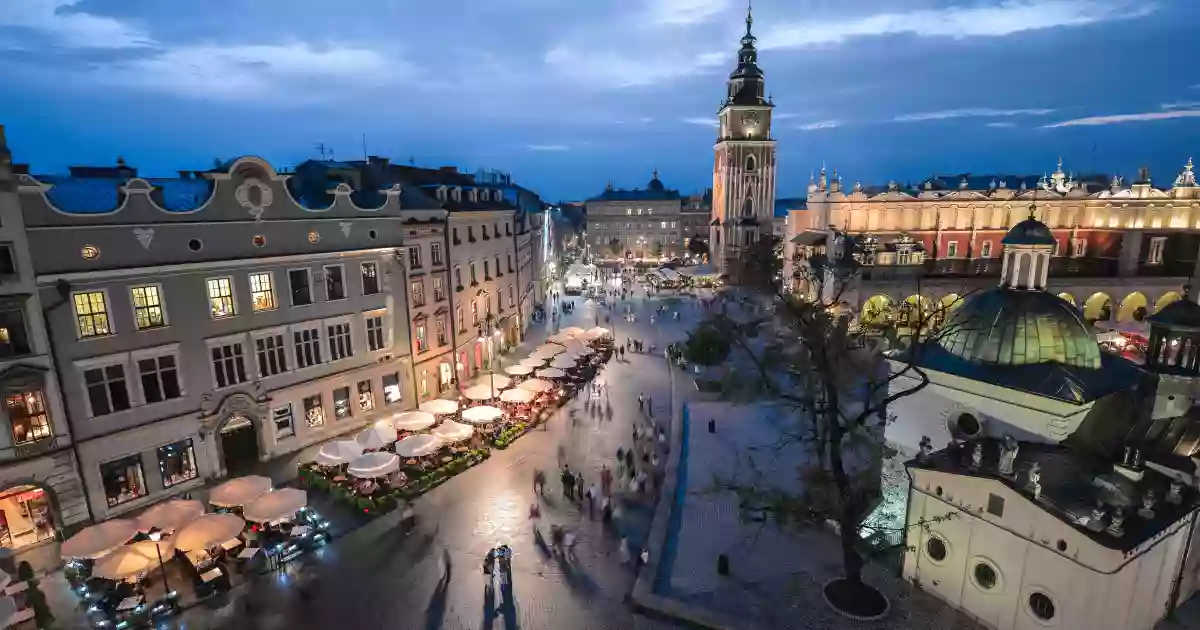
(643, 595)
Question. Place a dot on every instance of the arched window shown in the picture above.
(750, 164)
(748, 208)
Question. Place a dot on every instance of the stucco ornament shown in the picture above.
(1175, 493)
(1035, 481)
(145, 236)
(1008, 456)
(254, 196)
(345, 226)
(977, 456)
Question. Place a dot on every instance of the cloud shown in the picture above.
(820, 124)
(1004, 18)
(1181, 105)
(974, 112)
(707, 122)
(611, 69)
(71, 28)
(1001, 125)
(1125, 118)
(547, 147)
(685, 11)
(783, 116)
(255, 71)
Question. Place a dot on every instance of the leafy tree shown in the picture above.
(698, 247)
(615, 247)
(835, 386)
(708, 345)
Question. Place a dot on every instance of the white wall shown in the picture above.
(1091, 586)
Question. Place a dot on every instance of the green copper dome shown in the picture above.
(1008, 327)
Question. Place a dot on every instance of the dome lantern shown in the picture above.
(1174, 345)
(1028, 247)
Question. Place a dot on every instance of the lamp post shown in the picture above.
(156, 537)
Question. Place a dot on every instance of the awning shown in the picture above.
(810, 237)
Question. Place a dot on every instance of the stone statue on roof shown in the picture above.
(1008, 456)
(1035, 480)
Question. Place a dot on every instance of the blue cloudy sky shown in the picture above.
(569, 94)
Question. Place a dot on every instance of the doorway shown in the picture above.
(26, 517)
(239, 445)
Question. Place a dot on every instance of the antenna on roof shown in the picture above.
(321, 149)
(364, 139)
(412, 160)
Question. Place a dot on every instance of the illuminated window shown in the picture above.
(220, 297)
(262, 291)
(147, 307)
(370, 278)
(391, 388)
(27, 415)
(91, 314)
(177, 463)
(314, 411)
(422, 345)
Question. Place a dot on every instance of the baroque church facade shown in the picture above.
(744, 166)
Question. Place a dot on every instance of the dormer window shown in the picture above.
(473, 195)
(456, 194)
(441, 193)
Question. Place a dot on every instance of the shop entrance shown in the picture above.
(239, 445)
(26, 516)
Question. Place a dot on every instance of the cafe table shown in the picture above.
(129, 603)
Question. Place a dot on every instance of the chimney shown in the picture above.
(1143, 175)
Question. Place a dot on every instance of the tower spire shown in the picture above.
(749, 18)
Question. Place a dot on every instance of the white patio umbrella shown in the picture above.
(239, 491)
(482, 415)
(582, 351)
(99, 539)
(550, 373)
(209, 530)
(451, 431)
(560, 338)
(572, 330)
(564, 363)
(338, 452)
(413, 420)
(519, 370)
(574, 344)
(599, 332)
(372, 465)
(517, 396)
(131, 560)
(533, 362)
(376, 437)
(536, 385)
(493, 380)
(170, 515)
(439, 407)
(550, 349)
(418, 445)
(480, 392)
(277, 505)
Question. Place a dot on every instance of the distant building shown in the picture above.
(1122, 251)
(744, 169)
(635, 224)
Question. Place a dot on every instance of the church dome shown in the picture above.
(1029, 232)
(1005, 327)
(656, 183)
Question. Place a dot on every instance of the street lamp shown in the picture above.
(156, 537)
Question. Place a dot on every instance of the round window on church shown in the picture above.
(936, 548)
(985, 576)
(1041, 606)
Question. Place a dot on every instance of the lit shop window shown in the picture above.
(391, 388)
(177, 462)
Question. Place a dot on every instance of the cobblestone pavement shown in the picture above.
(375, 577)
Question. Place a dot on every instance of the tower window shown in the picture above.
(750, 163)
(748, 208)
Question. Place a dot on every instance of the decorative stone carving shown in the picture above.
(207, 405)
(1116, 527)
(1008, 456)
(1096, 521)
(1149, 499)
(144, 236)
(1035, 480)
(260, 392)
(345, 227)
(926, 448)
(254, 196)
(1175, 493)
(977, 456)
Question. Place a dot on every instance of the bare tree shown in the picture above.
(837, 385)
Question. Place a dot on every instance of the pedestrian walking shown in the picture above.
(650, 405)
(641, 406)
(629, 461)
(579, 485)
(568, 483)
(591, 502)
(606, 480)
(623, 551)
(539, 482)
(620, 454)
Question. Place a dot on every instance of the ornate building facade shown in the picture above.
(1122, 250)
(743, 192)
(637, 223)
